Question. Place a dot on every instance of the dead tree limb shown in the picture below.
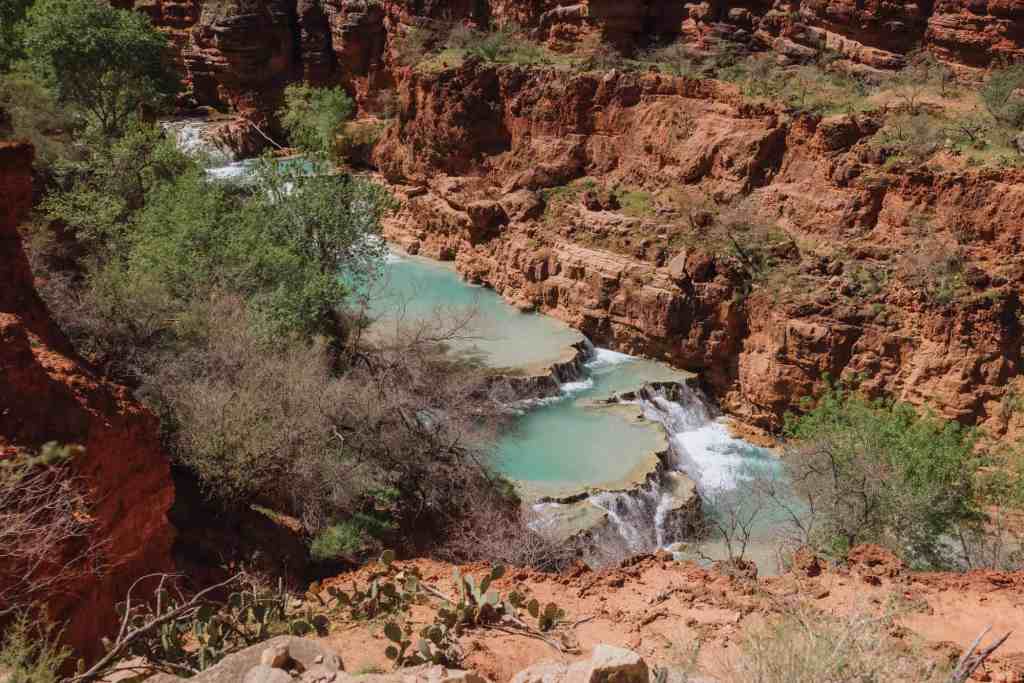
(973, 658)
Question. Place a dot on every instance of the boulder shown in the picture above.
(266, 674)
(275, 656)
(607, 664)
(269, 662)
(522, 205)
(486, 218)
(677, 267)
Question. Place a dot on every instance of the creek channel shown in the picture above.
(629, 470)
(625, 450)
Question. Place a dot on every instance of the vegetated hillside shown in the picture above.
(48, 394)
(621, 187)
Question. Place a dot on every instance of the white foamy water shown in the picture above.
(577, 387)
(606, 358)
(231, 172)
(197, 137)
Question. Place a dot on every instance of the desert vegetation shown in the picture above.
(235, 312)
(238, 314)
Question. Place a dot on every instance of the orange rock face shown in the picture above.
(241, 53)
(479, 146)
(47, 393)
(506, 136)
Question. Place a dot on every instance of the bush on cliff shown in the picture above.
(313, 117)
(877, 472)
(1002, 97)
(33, 114)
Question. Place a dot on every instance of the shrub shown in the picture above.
(636, 203)
(45, 514)
(877, 472)
(935, 270)
(503, 45)
(1002, 98)
(676, 58)
(921, 73)
(34, 115)
(313, 117)
(337, 541)
(414, 45)
(30, 650)
(915, 138)
(805, 646)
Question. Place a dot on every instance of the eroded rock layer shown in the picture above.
(484, 149)
(240, 53)
(47, 393)
(479, 150)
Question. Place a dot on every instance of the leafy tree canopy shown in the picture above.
(878, 472)
(107, 61)
(12, 13)
(312, 117)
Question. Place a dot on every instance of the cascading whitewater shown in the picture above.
(641, 516)
(192, 137)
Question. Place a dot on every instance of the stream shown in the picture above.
(625, 467)
(577, 443)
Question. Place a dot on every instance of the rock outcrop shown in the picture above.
(241, 53)
(495, 134)
(47, 393)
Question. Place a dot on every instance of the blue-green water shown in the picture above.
(573, 442)
(415, 288)
(558, 445)
(577, 442)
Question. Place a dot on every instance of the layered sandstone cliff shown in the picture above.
(47, 393)
(483, 149)
(240, 53)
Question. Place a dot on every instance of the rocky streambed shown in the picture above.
(613, 448)
(621, 451)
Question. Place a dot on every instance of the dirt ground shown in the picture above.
(680, 615)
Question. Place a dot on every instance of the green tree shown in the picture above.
(12, 14)
(109, 62)
(877, 472)
(1002, 97)
(313, 117)
(329, 227)
(98, 194)
(33, 114)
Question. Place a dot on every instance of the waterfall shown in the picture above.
(632, 514)
(654, 514)
(699, 446)
(196, 137)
